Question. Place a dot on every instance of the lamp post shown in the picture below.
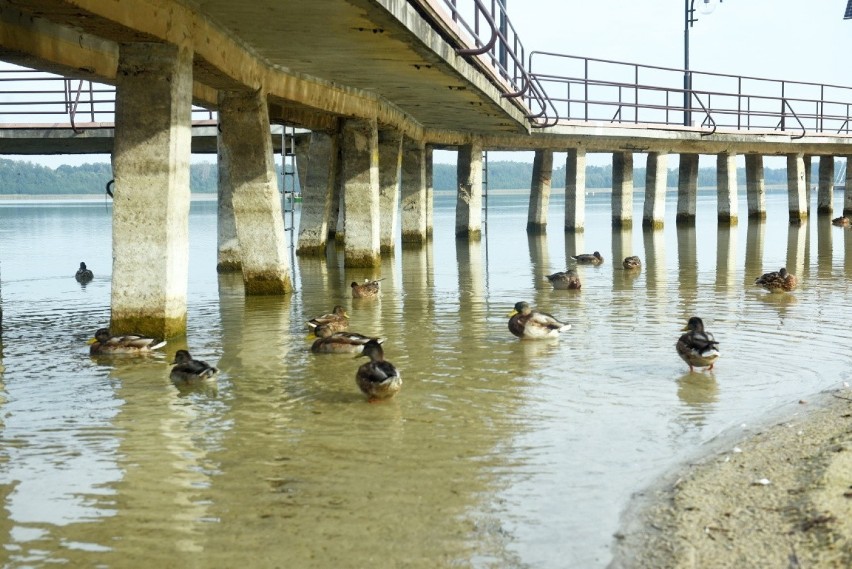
(705, 7)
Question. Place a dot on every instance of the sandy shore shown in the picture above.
(778, 498)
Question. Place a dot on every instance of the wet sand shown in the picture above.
(778, 497)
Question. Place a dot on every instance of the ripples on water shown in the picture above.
(497, 453)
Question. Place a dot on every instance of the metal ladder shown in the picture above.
(485, 188)
(288, 180)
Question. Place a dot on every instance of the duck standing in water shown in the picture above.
(187, 369)
(342, 343)
(83, 275)
(777, 281)
(632, 263)
(697, 347)
(377, 379)
(588, 259)
(369, 289)
(327, 324)
(566, 280)
(105, 343)
(526, 323)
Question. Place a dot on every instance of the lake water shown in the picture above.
(497, 452)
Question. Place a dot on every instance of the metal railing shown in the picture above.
(598, 90)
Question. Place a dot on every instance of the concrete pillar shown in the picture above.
(228, 257)
(361, 193)
(303, 149)
(542, 175)
(796, 189)
(622, 189)
(321, 168)
(150, 227)
(430, 194)
(755, 186)
(847, 189)
(575, 190)
(413, 200)
(390, 162)
(825, 191)
(247, 170)
(726, 187)
(687, 188)
(656, 178)
(469, 198)
(808, 170)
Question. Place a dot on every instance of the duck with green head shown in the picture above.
(105, 343)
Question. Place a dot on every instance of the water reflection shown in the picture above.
(687, 267)
(726, 259)
(700, 392)
(755, 244)
(655, 261)
(824, 247)
(797, 250)
(539, 260)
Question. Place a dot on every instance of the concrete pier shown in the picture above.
(847, 190)
(622, 189)
(361, 193)
(390, 163)
(825, 189)
(542, 175)
(797, 188)
(150, 227)
(469, 197)
(755, 186)
(413, 201)
(322, 166)
(726, 187)
(575, 190)
(656, 179)
(430, 193)
(808, 171)
(687, 188)
(247, 171)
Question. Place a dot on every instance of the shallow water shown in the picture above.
(497, 452)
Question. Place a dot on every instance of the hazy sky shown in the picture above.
(804, 40)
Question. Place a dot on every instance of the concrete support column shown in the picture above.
(430, 194)
(361, 193)
(796, 188)
(302, 149)
(825, 191)
(575, 190)
(656, 178)
(726, 187)
(808, 177)
(687, 189)
(622, 189)
(150, 227)
(321, 168)
(542, 175)
(414, 208)
(390, 162)
(847, 189)
(755, 186)
(469, 198)
(247, 170)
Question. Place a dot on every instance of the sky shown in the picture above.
(803, 40)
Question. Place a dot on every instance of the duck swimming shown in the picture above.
(187, 369)
(342, 343)
(631, 263)
(777, 281)
(377, 379)
(697, 347)
(588, 259)
(104, 344)
(566, 280)
(369, 289)
(83, 275)
(841, 221)
(327, 324)
(526, 323)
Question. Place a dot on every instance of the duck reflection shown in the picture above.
(755, 242)
(700, 393)
(726, 258)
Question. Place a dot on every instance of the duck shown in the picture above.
(342, 343)
(526, 323)
(83, 275)
(777, 281)
(566, 280)
(377, 379)
(327, 324)
(841, 221)
(632, 263)
(369, 289)
(187, 369)
(697, 347)
(105, 343)
(588, 259)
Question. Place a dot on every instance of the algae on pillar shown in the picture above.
(413, 187)
(726, 187)
(318, 192)
(390, 163)
(469, 197)
(796, 188)
(150, 230)
(825, 192)
(575, 190)
(361, 193)
(542, 174)
(622, 189)
(687, 189)
(755, 186)
(656, 180)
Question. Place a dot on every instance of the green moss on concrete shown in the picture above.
(619, 223)
(413, 237)
(536, 228)
(317, 250)
(267, 284)
(361, 260)
(229, 267)
(652, 224)
(153, 326)
(725, 219)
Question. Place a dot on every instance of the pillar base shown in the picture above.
(757, 215)
(728, 219)
(575, 229)
(472, 235)
(652, 223)
(229, 267)
(413, 238)
(685, 219)
(269, 283)
(536, 228)
(361, 260)
(618, 223)
(158, 327)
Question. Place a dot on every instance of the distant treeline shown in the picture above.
(24, 177)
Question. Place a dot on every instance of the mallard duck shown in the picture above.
(524, 322)
(841, 221)
(567, 280)
(105, 343)
(187, 369)
(327, 324)
(377, 378)
(369, 289)
(631, 263)
(588, 259)
(697, 347)
(342, 343)
(777, 281)
(83, 275)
